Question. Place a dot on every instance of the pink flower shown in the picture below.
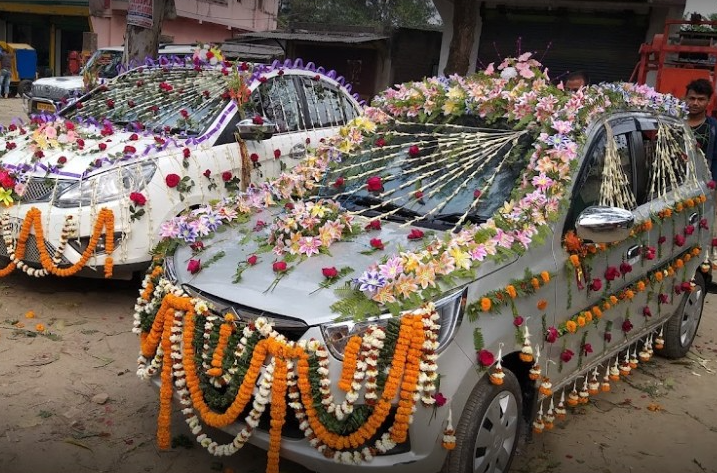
(194, 266)
(626, 325)
(172, 180)
(415, 234)
(252, 260)
(377, 243)
(373, 225)
(279, 266)
(566, 355)
(418, 195)
(374, 184)
(486, 358)
(476, 193)
(330, 273)
(552, 335)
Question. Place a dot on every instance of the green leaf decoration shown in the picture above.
(478, 343)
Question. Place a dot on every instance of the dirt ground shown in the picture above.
(70, 400)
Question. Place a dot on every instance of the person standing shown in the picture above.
(704, 127)
(5, 72)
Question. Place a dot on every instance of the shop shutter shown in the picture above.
(604, 44)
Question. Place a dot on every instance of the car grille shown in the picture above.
(32, 254)
(49, 92)
(41, 190)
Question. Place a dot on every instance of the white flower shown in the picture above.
(508, 73)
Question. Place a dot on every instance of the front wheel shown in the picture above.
(488, 432)
(681, 328)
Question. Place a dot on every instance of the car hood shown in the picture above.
(78, 163)
(65, 82)
(298, 293)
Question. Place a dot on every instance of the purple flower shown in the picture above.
(371, 281)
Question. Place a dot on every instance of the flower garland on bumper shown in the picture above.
(193, 350)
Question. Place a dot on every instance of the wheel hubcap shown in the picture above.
(691, 314)
(497, 435)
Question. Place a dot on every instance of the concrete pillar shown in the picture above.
(445, 10)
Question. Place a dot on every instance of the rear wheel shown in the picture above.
(681, 328)
(488, 432)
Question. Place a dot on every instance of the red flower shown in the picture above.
(626, 325)
(172, 180)
(252, 260)
(650, 252)
(154, 109)
(608, 337)
(330, 273)
(476, 193)
(704, 224)
(110, 103)
(415, 234)
(80, 143)
(194, 266)
(440, 399)
(10, 145)
(679, 240)
(197, 246)
(374, 184)
(625, 267)
(259, 225)
(69, 125)
(102, 146)
(61, 160)
(566, 355)
(686, 286)
(184, 114)
(663, 298)
(133, 137)
(131, 103)
(373, 225)
(279, 266)
(486, 358)
(646, 311)
(587, 349)
(138, 198)
(712, 184)
(552, 335)
(377, 243)
(257, 120)
(186, 152)
(518, 320)
(611, 273)
(414, 151)
(689, 230)
(244, 66)
(596, 285)
(129, 149)
(338, 182)
(39, 154)
(226, 176)
(207, 173)
(661, 239)
(277, 153)
(418, 195)
(254, 157)
(380, 142)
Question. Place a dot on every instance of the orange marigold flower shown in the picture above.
(510, 289)
(687, 257)
(572, 242)
(640, 286)
(679, 263)
(571, 326)
(542, 304)
(696, 251)
(659, 276)
(485, 304)
(606, 305)
(647, 225)
(690, 203)
(597, 312)
(40, 327)
(667, 213)
(670, 271)
(588, 316)
(703, 198)
(678, 207)
(535, 283)
(29, 314)
(613, 300)
(575, 260)
(602, 246)
(629, 294)
(581, 321)
(545, 276)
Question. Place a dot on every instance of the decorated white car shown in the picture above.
(470, 257)
(88, 189)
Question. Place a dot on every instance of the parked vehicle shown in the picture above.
(24, 68)
(50, 94)
(471, 257)
(109, 169)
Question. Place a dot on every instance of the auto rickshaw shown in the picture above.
(24, 67)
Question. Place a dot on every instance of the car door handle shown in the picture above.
(633, 252)
(297, 151)
(693, 218)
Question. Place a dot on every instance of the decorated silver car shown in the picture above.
(470, 257)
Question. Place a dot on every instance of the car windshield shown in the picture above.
(105, 63)
(171, 100)
(427, 173)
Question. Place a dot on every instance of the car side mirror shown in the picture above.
(249, 129)
(600, 224)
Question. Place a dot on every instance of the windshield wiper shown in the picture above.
(382, 207)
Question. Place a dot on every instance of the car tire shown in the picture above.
(24, 87)
(681, 328)
(491, 417)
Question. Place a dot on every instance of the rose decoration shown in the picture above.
(254, 158)
(129, 150)
(374, 184)
(608, 336)
(566, 355)
(587, 349)
(415, 234)
(625, 268)
(102, 146)
(596, 284)
(194, 266)
(330, 273)
(380, 142)
(137, 198)
(518, 320)
(646, 311)
(418, 195)
(226, 176)
(486, 358)
(440, 399)
(649, 252)
(663, 298)
(414, 151)
(257, 120)
(186, 153)
(612, 273)
(712, 185)
(133, 137)
(689, 230)
(339, 182)
(279, 266)
(277, 153)
(476, 193)
(704, 224)
(376, 243)
(172, 180)
(197, 246)
(552, 335)
(661, 239)
(373, 225)
(627, 326)
(252, 260)
(679, 240)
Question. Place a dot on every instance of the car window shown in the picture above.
(665, 155)
(327, 106)
(278, 100)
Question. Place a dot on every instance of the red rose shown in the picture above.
(61, 160)
(566, 355)
(380, 142)
(704, 224)
(486, 358)
(338, 182)
(611, 273)
(418, 195)
(307, 140)
(133, 137)
(608, 337)
(625, 267)
(414, 151)
(289, 205)
(197, 246)
(131, 103)
(518, 320)
(102, 146)
(69, 125)
(279, 266)
(154, 109)
(207, 173)
(110, 103)
(129, 149)
(587, 349)
(377, 243)
(184, 114)
(226, 176)
(415, 234)
(277, 153)
(712, 184)
(663, 298)
(252, 260)
(194, 266)
(689, 230)
(374, 184)
(476, 193)
(244, 66)
(373, 225)
(552, 335)
(650, 252)
(661, 239)
(10, 145)
(138, 198)
(440, 399)
(186, 153)
(172, 180)
(257, 120)
(254, 157)
(596, 285)
(80, 143)
(679, 240)
(329, 273)
(686, 286)
(626, 325)
(646, 311)
(39, 154)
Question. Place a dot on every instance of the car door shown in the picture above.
(605, 284)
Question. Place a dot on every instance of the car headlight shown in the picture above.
(450, 310)
(107, 186)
